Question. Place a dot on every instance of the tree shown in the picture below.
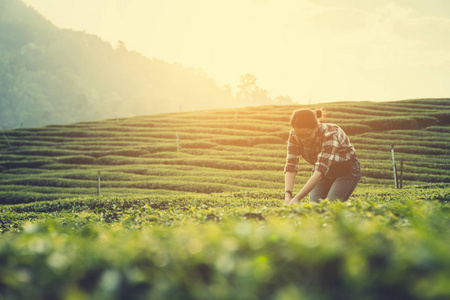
(249, 91)
(247, 86)
(121, 47)
(284, 100)
(50, 75)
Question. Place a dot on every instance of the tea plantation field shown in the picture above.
(191, 208)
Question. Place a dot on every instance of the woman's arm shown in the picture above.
(309, 185)
(289, 179)
(291, 167)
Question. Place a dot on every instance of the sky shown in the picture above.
(323, 50)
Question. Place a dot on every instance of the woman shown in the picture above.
(336, 170)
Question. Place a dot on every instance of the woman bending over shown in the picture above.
(336, 170)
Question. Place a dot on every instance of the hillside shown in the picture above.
(204, 218)
(230, 150)
(56, 76)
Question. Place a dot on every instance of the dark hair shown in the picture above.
(305, 118)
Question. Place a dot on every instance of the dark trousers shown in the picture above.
(338, 183)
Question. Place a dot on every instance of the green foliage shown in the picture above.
(381, 244)
(444, 129)
(206, 220)
(392, 123)
(353, 129)
(402, 122)
(217, 152)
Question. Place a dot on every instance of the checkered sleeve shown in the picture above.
(328, 151)
(293, 154)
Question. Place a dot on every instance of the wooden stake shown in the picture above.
(7, 142)
(401, 174)
(98, 183)
(395, 168)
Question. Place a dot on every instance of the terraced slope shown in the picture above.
(215, 151)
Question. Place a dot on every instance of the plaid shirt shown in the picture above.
(331, 144)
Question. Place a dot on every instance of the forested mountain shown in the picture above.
(50, 75)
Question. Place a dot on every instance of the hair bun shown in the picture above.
(319, 113)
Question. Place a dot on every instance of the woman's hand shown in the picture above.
(287, 198)
(310, 184)
(294, 201)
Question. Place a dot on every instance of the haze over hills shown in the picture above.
(53, 76)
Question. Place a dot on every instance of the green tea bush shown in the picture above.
(215, 144)
(234, 141)
(159, 147)
(265, 140)
(257, 126)
(197, 144)
(249, 141)
(421, 134)
(32, 163)
(128, 152)
(116, 160)
(77, 159)
(208, 221)
(283, 118)
(84, 133)
(48, 182)
(436, 102)
(174, 185)
(426, 177)
(18, 197)
(217, 129)
(443, 118)
(172, 135)
(253, 150)
(443, 129)
(353, 129)
(268, 146)
(425, 121)
(383, 124)
(44, 152)
(377, 173)
(354, 250)
(330, 113)
(402, 142)
(228, 164)
(359, 110)
(66, 166)
(421, 150)
(399, 122)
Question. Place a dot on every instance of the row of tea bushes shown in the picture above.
(380, 245)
